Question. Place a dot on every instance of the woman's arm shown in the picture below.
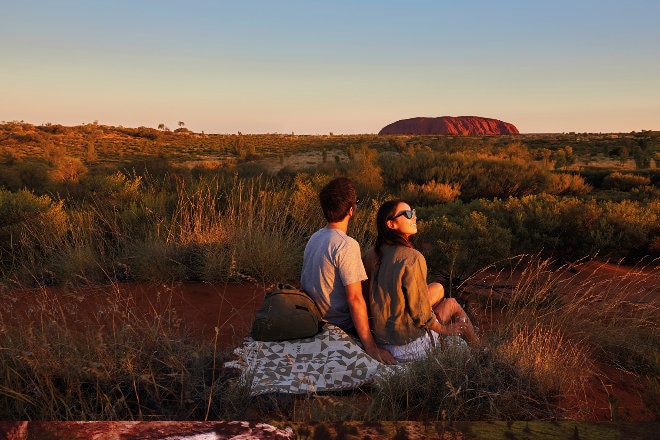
(415, 291)
(358, 309)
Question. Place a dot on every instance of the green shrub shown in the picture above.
(461, 246)
(479, 176)
(32, 229)
(365, 172)
(17, 172)
(550, 223)
(627, 228)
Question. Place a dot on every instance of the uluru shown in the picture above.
(453, 125)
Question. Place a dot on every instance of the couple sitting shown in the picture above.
(398, 313)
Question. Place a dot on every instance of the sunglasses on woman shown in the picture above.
(409, 213)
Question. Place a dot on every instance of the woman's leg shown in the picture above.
(436, 293)
(449, 310)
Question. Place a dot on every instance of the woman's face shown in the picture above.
(400, 221)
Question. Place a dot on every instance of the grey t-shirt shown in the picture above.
(331, 261)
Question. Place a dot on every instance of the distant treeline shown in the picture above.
(95, 203)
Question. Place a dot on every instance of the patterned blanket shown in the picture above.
(329, 361)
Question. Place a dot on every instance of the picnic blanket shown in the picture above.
(329, 361)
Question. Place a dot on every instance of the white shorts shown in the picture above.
(421, 347)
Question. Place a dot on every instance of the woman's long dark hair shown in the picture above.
(388, 236)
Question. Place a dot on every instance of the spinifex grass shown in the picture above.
(562, 321)
(119, 363)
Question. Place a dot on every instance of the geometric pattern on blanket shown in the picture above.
(329, 361)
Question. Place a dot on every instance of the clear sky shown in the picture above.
(340, 66)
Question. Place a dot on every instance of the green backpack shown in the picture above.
(287, 313)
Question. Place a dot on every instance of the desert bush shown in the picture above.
(32, 229)
(26, 174)
(564, 157)
(502, 179)
(364, 171)
(255, 227)
(251, 170)
(430, 193)
(548, 222)
(463, 245)
(647, 194)
(67, 169)
(562, 226)
(305, 206)
(196, 217)
(113, 189)
(627, 228)
(9, 156)
(625, 182)
(478, 176)
(542, 350)
(155, 167)
(79, 256)
(216, 264)
(119, 203)
(53, 128)
(569, 184)
(267, 256)
(515, 151)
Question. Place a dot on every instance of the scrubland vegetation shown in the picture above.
(98, 205)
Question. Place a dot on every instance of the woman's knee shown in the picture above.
(436, 293)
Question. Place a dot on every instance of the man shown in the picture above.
(333, 272)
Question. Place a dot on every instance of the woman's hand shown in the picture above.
(381, 355)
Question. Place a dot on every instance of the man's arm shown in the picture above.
(361, 321)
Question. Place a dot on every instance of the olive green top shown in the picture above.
(397, 295)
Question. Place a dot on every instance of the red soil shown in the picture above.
(200, 308)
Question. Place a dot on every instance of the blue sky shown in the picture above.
(346, 67)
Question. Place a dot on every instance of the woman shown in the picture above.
(407, 315)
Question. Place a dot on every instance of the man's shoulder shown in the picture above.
(339, 238)
(333, 240)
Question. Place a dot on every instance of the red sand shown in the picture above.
(200, 308)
